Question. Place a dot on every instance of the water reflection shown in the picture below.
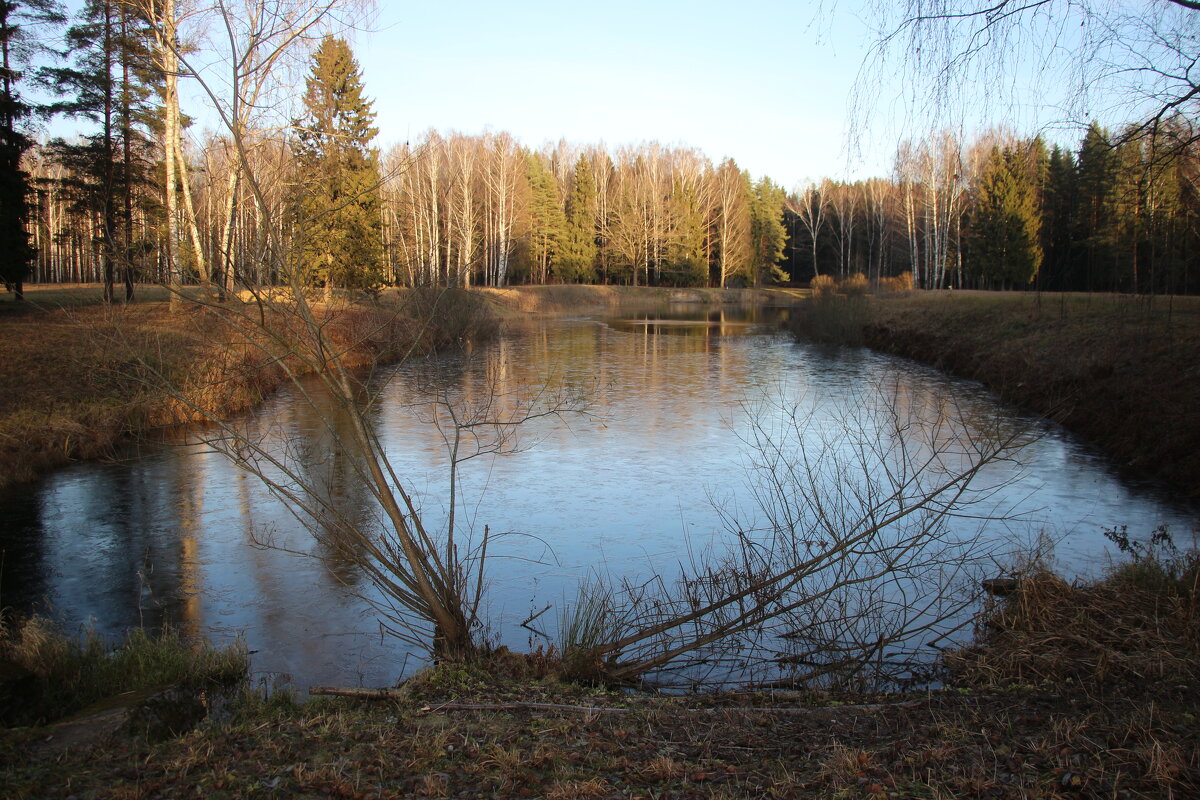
(174, 535)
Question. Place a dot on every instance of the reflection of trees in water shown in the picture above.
(189, 499)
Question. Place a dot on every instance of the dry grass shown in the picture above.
(78, 380)
(1137, 630)
(1027, 744)
(1120, 370)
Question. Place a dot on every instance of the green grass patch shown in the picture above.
(52, 674)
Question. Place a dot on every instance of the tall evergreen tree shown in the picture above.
(18, 43)
(547, 224)
(1058, 217)
(1096, 193)
(768, 236)
(577, 261)
(1005, 223)
(340, 223)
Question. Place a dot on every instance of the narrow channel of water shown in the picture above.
(632, 488)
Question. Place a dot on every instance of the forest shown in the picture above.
(144, 197)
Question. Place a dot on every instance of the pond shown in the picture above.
(659, 467)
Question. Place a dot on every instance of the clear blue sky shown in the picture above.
(763, 81)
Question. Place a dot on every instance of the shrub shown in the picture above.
(900, 284)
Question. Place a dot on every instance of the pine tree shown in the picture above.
(768, 236)
(1004, 239)
(577, 261)
(339, 215)
(108, 84)
(17, 45)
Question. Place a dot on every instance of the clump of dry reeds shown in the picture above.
(900, 284)
(855, 285)
(822, 285)
(1138, 628)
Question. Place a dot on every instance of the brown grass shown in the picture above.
(1026, 744)
(1122, 371)
(79, 380)
(1107, 634)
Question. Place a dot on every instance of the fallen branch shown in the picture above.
(395, 694)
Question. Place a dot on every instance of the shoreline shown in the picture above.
(1119, 371)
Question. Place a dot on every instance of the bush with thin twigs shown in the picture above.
(835, 589)
(900, 284)
(822, 285)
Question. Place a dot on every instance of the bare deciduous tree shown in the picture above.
(1074, 59)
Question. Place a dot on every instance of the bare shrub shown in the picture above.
(900, 284)
(837, 587)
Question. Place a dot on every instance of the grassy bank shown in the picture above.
(1122, 371)
(1032, 713)
(79, 377)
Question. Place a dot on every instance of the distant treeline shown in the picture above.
(304, 193)
(1121, 214)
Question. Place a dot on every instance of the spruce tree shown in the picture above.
(1005, 224)
(1058, 217)
(577, 261)
(19, 22)
(1096, 174)
(339, 226)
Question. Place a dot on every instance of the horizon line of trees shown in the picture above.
(1119, 214)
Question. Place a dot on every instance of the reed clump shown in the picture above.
(898, 285)
(855, 285)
